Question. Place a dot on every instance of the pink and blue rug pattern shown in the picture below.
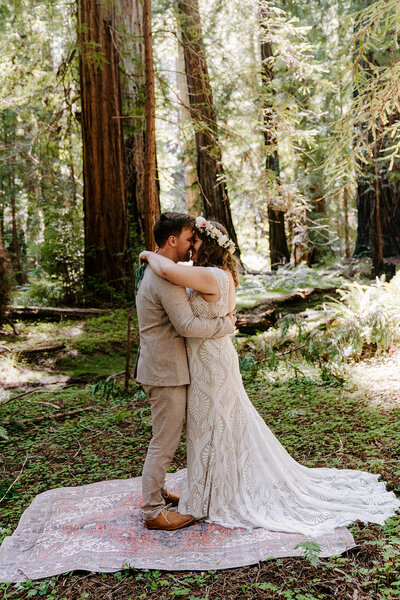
(99, 527)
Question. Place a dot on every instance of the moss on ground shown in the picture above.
(319, 424)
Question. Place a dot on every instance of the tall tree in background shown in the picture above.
(210, 172)
(133, 17)
(5, 281)
(192, 192)
(9, 143)
(151, 197)
(278, 248)
(104, 174)
(378, 190)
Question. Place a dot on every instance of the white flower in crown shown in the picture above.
(213, 232)
(201, 222)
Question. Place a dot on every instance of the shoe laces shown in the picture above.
(164, 512)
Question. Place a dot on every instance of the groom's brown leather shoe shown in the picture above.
(169, 497)
(169, 521)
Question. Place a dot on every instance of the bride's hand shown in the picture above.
(232, 316)
(144, 257)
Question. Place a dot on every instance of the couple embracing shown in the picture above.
(238, 473)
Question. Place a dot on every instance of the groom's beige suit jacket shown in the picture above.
(165, 319)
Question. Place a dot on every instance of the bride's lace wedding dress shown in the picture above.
(238, 474)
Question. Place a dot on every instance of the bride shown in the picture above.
(238, 473)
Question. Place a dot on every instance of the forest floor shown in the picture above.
(353, 425)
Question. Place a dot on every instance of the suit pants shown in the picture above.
(168, 407)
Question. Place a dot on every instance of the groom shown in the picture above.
(165, 319)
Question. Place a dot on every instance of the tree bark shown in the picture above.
(5, 282)
(363, 241)
(210, 173)
(378, 201)
(278, 248)
(265, 314)
(131, 44)
(9, 144)
(192, 193)
(107, 264)
(376, 229)
(346, 195)
(49, 313)
(150, 146)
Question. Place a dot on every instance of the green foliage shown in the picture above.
(62, 252)
(3, 433)
(106, 389)
(311, 551)
(320, 426)
(40, 290)
(365, 320)
(40, 136)
(248, 365)
(365, 316)
(254, 288)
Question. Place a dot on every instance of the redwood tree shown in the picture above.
(104, 174)
(151, 197)
(378, 229)
(278, 248)
(9, 126)
(5, 282)
(137, 87)
(210, 173)
(378, 196)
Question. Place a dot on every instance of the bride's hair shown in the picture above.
(211, 254)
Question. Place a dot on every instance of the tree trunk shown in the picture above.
(376, 229)
(363, 241)
(210, 173)
(192, 192)
(150, 146)
(131, 44)
(105, 201)
(278, 248)
(9, 145)
(378, 199)
(5, 281)
(346, 195)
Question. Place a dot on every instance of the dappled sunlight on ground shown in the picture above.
(23, 375)
(13, 375)
(380, 377)
(41, 334)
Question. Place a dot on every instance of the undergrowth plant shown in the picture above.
(364, 321)
(365, 315)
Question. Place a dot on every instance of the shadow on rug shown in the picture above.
(99, 527)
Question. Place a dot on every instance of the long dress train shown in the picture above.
(239, 475)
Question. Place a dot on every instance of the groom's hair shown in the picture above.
(171, 223)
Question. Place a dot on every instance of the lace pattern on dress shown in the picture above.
(239, 475)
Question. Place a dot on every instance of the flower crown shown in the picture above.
(213, 232)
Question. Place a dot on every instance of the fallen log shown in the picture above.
(42, 349)
(258, 320)
(59, 415)
(49, 313)
(265, 313)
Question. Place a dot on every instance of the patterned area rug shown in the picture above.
(99, 527)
